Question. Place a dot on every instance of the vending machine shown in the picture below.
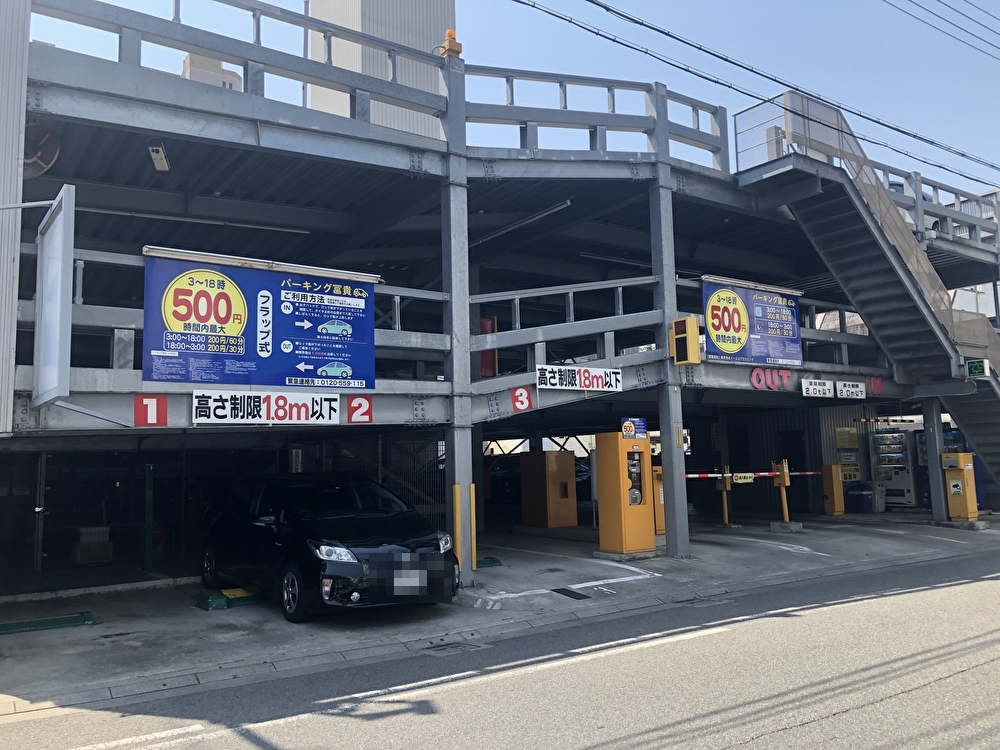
(892, 466)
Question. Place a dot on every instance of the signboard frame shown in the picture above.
(222, 321)
(751, 324)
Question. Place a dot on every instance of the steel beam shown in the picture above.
(934, 436)
(661, 223)
(181, 108)
(15, 30)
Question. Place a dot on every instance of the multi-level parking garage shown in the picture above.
(494, 262)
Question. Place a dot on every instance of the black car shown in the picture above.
(320, 541)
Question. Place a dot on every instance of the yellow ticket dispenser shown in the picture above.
(625, 497)
(960, 486)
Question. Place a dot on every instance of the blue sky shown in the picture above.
(862, 52)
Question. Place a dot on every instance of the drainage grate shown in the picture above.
(570, 593)
(449, 649)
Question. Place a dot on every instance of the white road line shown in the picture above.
(946, 539)
(606, 581)
(889, 531)
(143, 738)
(612, 563)
(800, 549)
(658, 638)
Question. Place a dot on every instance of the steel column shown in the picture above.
(935, 444)
(661, 225)
(15, 25)
(457, 317)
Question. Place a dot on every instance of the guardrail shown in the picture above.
(133, 28)
(708, 134)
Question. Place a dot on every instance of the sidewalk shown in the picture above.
(147, 641)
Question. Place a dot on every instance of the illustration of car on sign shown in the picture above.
(341, 327)
(335, 370)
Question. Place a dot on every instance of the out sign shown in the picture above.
(520, 399)
(149, 411)
(359, 410)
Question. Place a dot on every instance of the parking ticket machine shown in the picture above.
(625, 494)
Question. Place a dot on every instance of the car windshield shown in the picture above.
(328, 499)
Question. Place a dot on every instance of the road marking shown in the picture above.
(143, 738)
(889, 531)
(800, 549)
(946, 539)
(571, 557)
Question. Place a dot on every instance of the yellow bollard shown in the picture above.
(472, 522)
(456, 507)
(781, 480)
(724, 485)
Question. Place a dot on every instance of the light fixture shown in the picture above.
(189, 219)
(158, 154)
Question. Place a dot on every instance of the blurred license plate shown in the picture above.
(409, 582)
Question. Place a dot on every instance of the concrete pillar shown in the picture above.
(661, 224)
(934, 435)
(15, 27)
(455, 276)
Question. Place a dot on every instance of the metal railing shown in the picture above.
(795, 123)
(256, 59)
(709, 134)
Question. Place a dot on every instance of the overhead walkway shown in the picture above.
(802, 153)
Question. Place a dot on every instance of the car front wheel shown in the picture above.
(210, 570)
(293, 602)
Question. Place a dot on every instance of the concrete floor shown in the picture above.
(147, 641)
(906, 656)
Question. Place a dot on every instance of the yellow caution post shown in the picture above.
(456, 508)
(472, 522)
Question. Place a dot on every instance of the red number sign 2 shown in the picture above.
(359, 410)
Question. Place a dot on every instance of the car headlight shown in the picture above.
(445, 542)
(332, 551)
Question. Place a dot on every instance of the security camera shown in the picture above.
(159, 154)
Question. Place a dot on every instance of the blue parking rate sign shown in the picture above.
(233, 325)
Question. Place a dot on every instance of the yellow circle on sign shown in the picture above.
(204, 301)
(727, 323)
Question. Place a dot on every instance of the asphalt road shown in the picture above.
(906, 657)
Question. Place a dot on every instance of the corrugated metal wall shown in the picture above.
(764, 429)
(859, 416)
(416, 23)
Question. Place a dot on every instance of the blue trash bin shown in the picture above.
(860, 498)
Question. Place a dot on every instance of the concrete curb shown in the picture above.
(115, 588)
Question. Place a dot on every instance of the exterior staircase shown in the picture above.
(855, 226)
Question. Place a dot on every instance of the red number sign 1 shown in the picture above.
(149, 411)
(359, 410)
(521, 399)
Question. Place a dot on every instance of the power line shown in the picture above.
(981, 10)
(638, 21)
(635, 47)
(938, 28)
(971, 18)
(952, 23)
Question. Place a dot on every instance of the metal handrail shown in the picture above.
(813, 127)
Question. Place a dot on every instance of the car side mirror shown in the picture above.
(264, 521)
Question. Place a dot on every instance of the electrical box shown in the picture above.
(960, 486)
(625, 497)
(833, 490)
(684, 341)
(548, 489)
(659, 515)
